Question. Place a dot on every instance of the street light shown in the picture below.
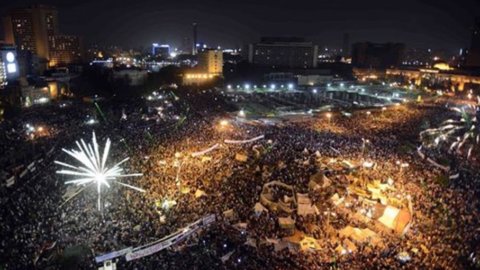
(272, 86)
(314, 91)
(364, 144)
(241, 113)
(290, 86)
(329, 116)
(223, 123)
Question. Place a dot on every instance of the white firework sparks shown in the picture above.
(92, 168)
(461, 134)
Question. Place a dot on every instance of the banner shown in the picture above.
(11, 181)
(208, 220)
(196, 154)
(245, 141)
(50, 151)
(152, 249)
(23, 173)
(445, 168)
(422, 155)
(169, 240)
(112, 255)
(31, 165)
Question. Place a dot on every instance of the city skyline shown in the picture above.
(422, 24)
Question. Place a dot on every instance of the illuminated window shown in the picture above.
(11, 68)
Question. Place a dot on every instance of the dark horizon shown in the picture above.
(419, 24)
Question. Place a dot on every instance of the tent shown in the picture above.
(395, 219)
(318, 180)
(286, 223)
(305, 206)
(360, 235)
(259, 208)
(200, 193)
(309, 243)
(241, 157)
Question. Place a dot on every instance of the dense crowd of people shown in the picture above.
(40, 229)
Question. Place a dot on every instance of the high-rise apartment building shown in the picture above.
(64, 49)
(377, 55)
(32, 29)
(35, 31)
(211, 62)
(280, 52)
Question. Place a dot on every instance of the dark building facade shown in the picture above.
(35, 30)
(65, 49)
(473, 56)
(279, 52)
(160, 50)
(32, 29)
(377, 55)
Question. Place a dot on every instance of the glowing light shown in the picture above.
(314, 91)
(91, 121)
(92, 168)
(11, 68)
(290, 86)
(224, 123)
(241, 113)
(10, 57)
(461, 134)
(41, 100)
(272, 86)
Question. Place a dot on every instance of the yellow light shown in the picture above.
(223, 123)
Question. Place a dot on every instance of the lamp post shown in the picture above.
(329, 117)
(364, 145)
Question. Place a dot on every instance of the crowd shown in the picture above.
(38, 229)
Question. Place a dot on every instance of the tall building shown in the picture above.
(195, 39)
(280, 52)
(210, 66)
(64, 49)
(32, 29)
(377, 55)
(186, 45)
(211, 62)
(473, 56)
(160, 50)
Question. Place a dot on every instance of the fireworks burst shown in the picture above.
(92, 168)
(458, 135)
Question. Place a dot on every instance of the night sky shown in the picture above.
(438, 24)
